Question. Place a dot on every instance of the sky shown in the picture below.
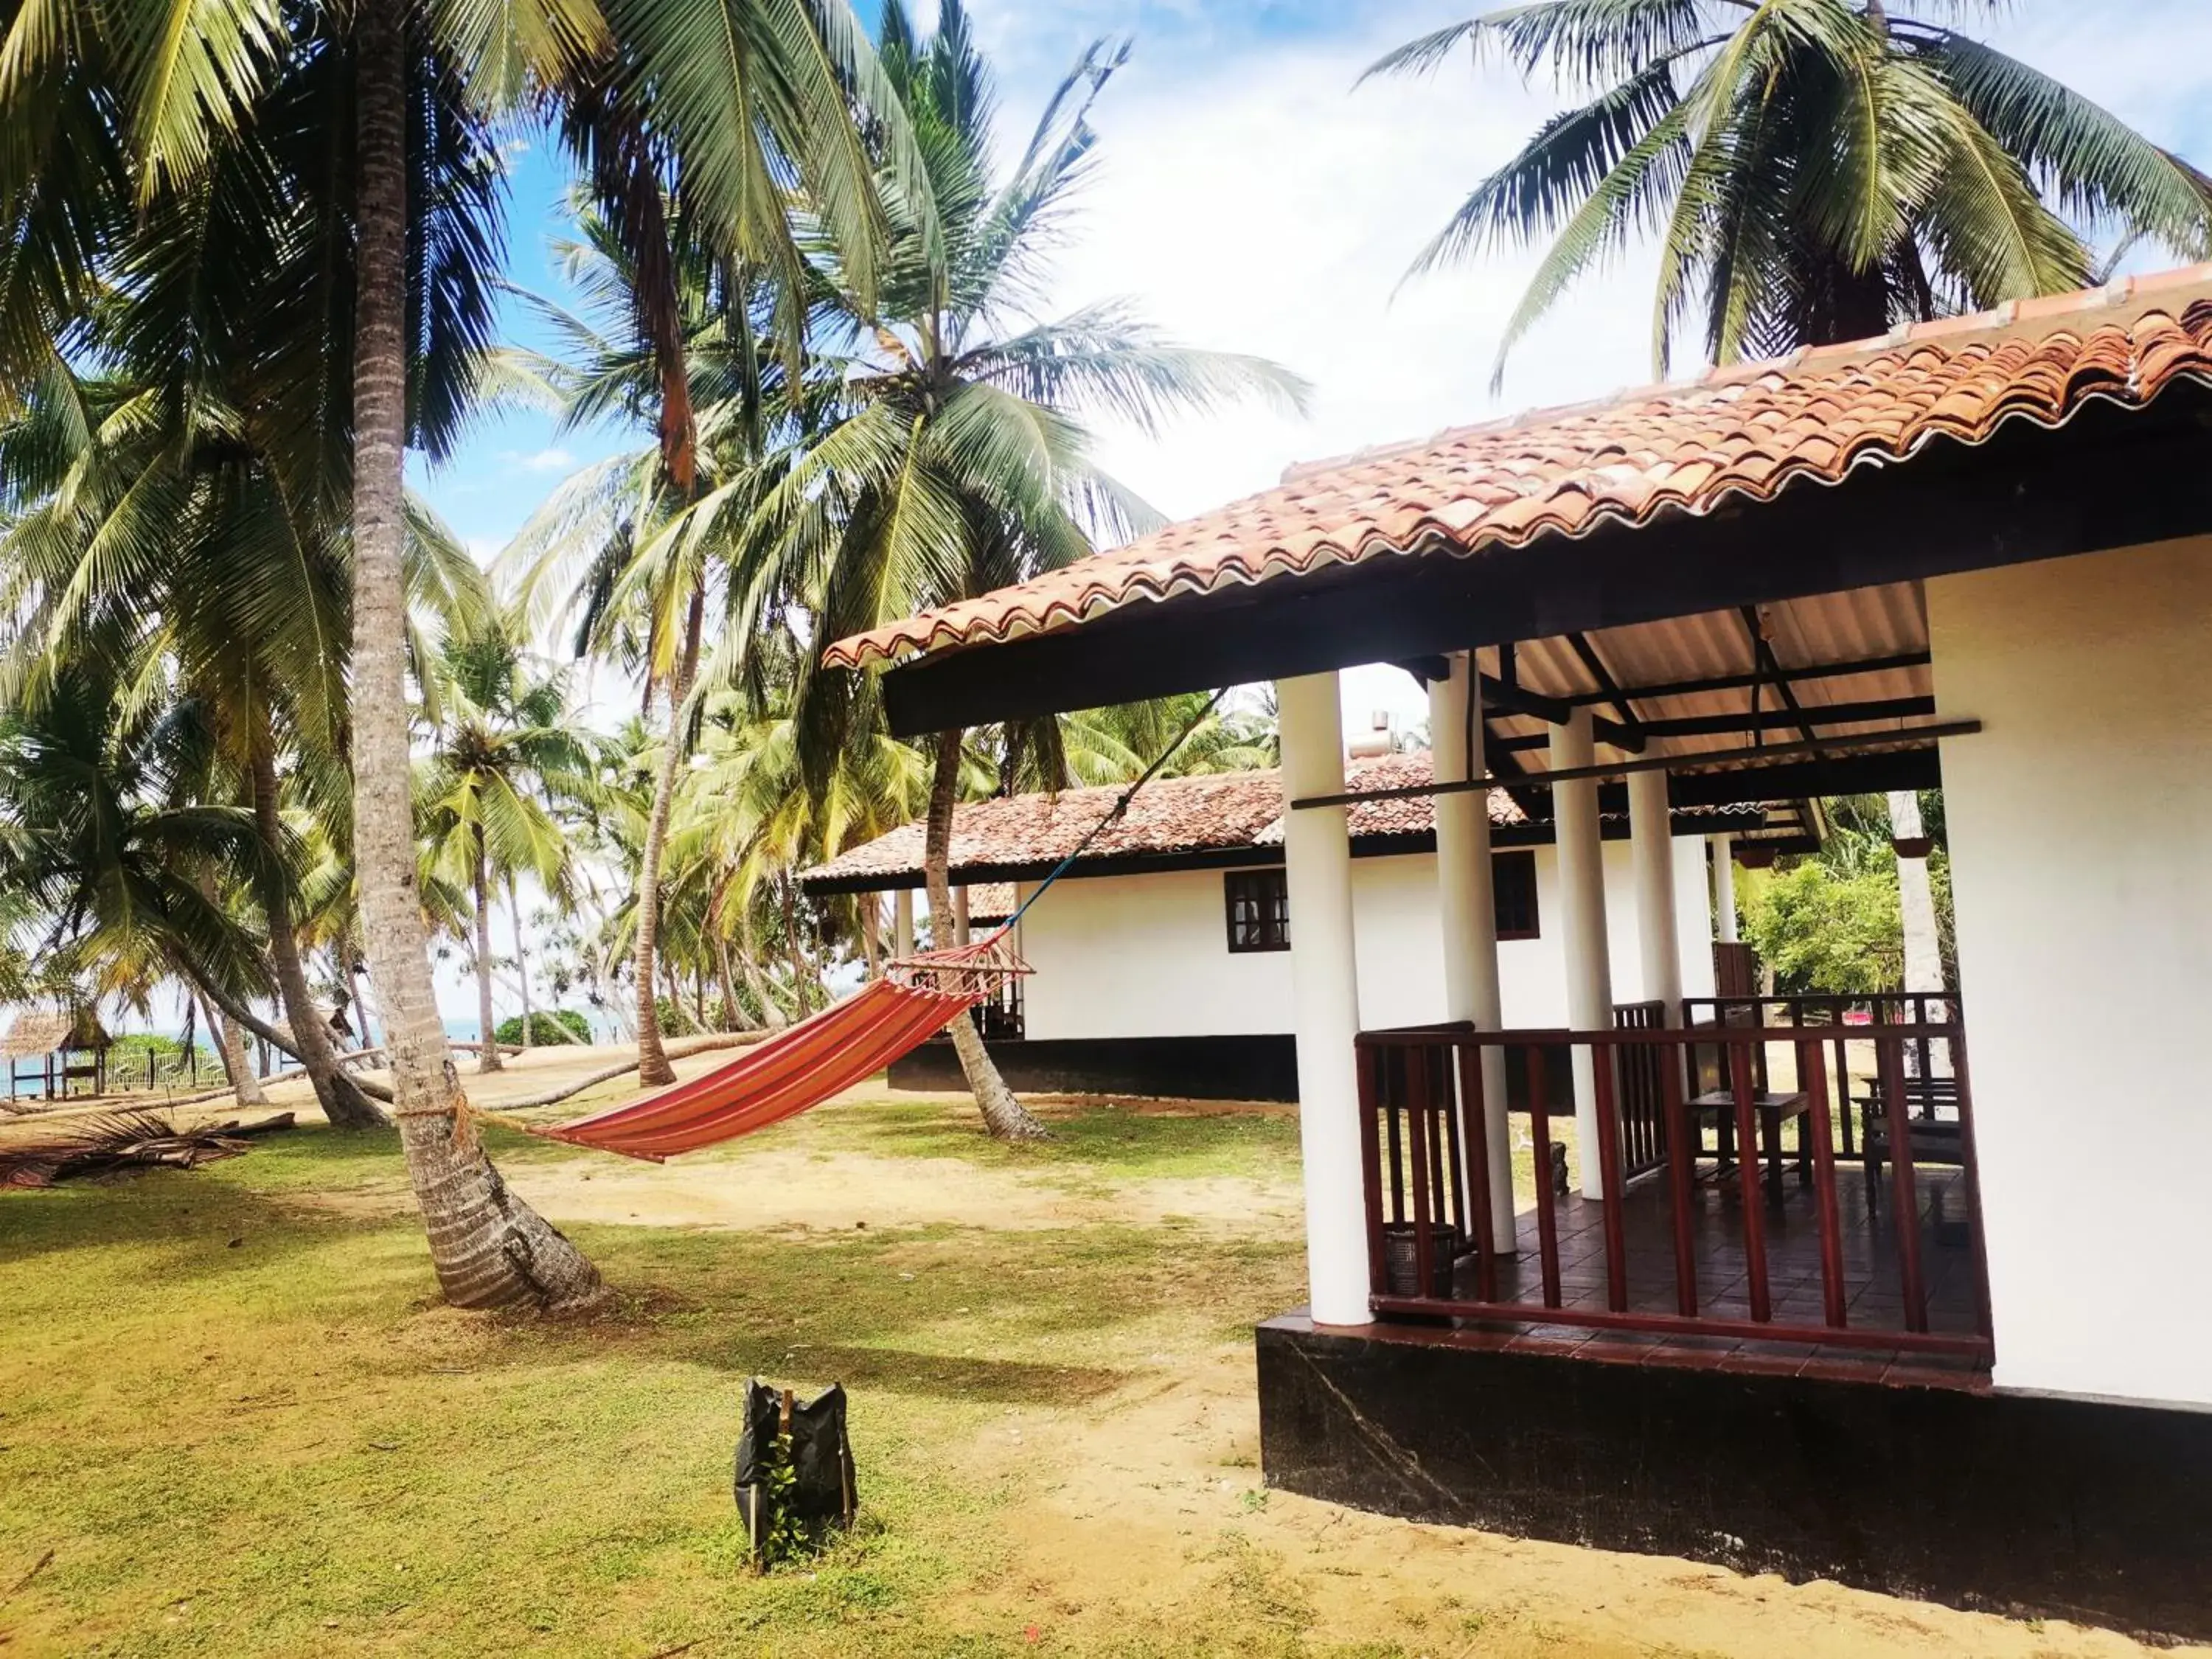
(1249, 197)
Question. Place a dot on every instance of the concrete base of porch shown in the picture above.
(1907, 1480)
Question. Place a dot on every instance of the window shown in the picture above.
(1259, 903)
(1513, 883)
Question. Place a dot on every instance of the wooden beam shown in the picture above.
(2111, 477)
(1919, 736)
(1804, 718)
(1828, 670)
(1578, 643)
(1762, 651)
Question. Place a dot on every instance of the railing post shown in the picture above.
(1904, 1184)
(1367, 1061)
(1750, 1199)
(1390, 1081)
(1682, 1181)
(1547, 1220)
(1813, 1071)
(1452, 1191)
(1608, 1170)
(1417, 1141)
(1474, 1118)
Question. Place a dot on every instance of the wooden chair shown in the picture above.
(1932, 1128)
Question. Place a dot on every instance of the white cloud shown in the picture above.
(1263, 206)
(552, 459)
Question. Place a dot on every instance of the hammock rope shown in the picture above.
(916, 997)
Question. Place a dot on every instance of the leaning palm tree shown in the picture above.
(1816, 170)
(114, 867)
(959, 462)
(503, 753)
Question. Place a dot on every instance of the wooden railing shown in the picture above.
(1426, 1163)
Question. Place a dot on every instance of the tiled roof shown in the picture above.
(991, 901)
(1740, 432)
(1212, 813)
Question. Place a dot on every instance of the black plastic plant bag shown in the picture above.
(822, 1489)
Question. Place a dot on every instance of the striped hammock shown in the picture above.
(818, 1058)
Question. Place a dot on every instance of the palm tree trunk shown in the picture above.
(489, 1248)
(1003, 1115)
(871, 934)
(653, 1069)
(350, 955)
(236, 1070)
(521, 959)
(488, 1058)
(734, 1018)
(762, 987)
(792, 954)
(340, 1097)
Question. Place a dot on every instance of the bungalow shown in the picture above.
(1162, 958)
(1976, 551)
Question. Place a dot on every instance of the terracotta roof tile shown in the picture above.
(1749, 431)
(1216, 811)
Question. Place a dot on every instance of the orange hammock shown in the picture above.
(814, 1060)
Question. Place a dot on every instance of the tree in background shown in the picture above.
(1835, 922)
(957, 461)
(314, 192)
(1816, 170)
(504, 757)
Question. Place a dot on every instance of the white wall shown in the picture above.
(2079, 821)
(1148, 956)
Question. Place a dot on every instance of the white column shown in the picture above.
(1582, 904)
(902, 923)
(1723, 888)
(1652, 857)
(1325, 998)
(1470, 912)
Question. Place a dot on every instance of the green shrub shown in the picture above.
(546, 1027)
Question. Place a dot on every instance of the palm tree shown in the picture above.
(504, 750)
(678, 343)
(352, 254)
(116, 871)
(750, 819)
(1117, 743)
(1817, 170)
(958, 462)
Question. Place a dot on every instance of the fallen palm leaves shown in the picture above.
(113, 1143)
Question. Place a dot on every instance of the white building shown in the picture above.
(1162, 958)
(1976, 552)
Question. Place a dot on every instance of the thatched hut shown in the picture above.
(65, 1047)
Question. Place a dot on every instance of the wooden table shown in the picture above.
(1771, 1108)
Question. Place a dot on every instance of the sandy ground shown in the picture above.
(1146, 1509)
(1150, 1506)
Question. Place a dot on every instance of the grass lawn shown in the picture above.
(234, 1420)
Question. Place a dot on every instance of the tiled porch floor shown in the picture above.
(1874, 1291)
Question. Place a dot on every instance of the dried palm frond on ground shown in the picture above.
(115, 1143)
